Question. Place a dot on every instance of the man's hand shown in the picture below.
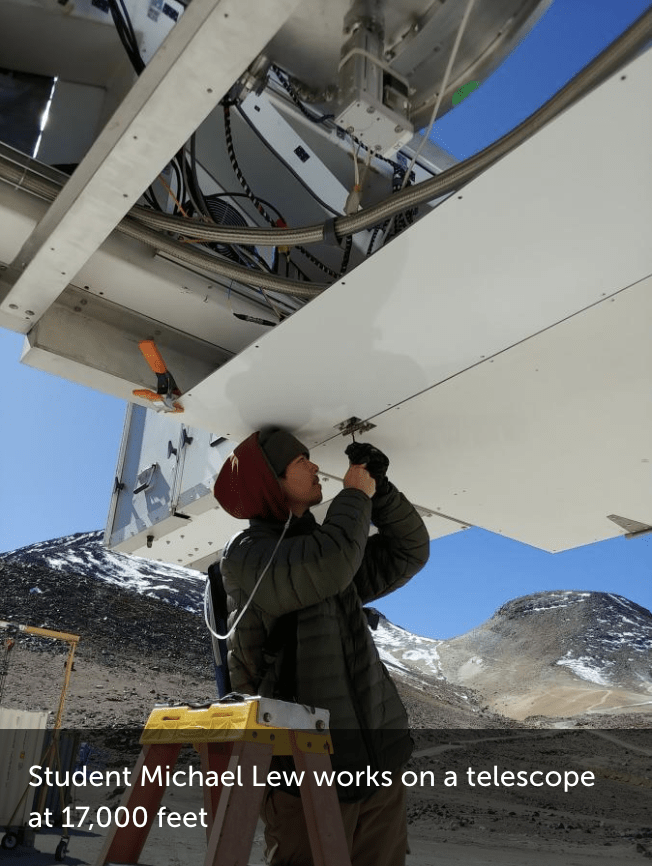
(358, 477)
(375, 462)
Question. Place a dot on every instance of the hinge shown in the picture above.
(354, 425)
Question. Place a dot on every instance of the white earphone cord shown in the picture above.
(250, 599)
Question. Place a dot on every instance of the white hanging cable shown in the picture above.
(435, 110)
(253, 592)
(442, 89)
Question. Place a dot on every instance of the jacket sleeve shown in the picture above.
(397, 552)
(305, 569)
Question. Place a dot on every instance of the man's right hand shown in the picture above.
(358, 478)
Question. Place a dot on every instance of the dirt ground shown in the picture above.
(479, 821)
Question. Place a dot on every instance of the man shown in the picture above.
(304, 636)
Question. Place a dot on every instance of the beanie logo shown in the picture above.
(234, 462)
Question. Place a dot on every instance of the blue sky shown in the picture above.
(59, 441)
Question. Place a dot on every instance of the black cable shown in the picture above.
(294, 96)
(383, 229)
(151, 199)
(196, 199)
(348, 245)
(317, 263)
(236, 167)
(201, 201)
(128, 24)
(177, 176)
(126, 33)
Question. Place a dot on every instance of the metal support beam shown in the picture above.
(211, 46)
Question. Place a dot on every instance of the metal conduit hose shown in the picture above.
(627, 46)
(21, 175)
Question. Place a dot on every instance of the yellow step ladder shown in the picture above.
(237, 738)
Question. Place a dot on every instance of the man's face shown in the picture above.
(301, 484)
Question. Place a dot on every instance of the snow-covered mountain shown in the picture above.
(558, 653)
(84, 554)
(548, 653)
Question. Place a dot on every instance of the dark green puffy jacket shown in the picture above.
(323, 574)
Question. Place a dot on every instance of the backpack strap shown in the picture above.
(219, 619)
(282, 641)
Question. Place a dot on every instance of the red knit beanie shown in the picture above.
(247, 485)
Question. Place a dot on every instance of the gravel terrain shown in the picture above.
(136, 651)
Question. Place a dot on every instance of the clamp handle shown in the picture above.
(152, 356)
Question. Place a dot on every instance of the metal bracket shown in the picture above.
(145, 478)
(354, 425)
(281, 714)
(633, 528)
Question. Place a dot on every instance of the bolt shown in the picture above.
(370, 109)
(398, 129)
(30, 313)
(267, 717)
(320, 725)
(13, 306)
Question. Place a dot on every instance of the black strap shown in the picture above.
(282, 639)
(221, 616)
